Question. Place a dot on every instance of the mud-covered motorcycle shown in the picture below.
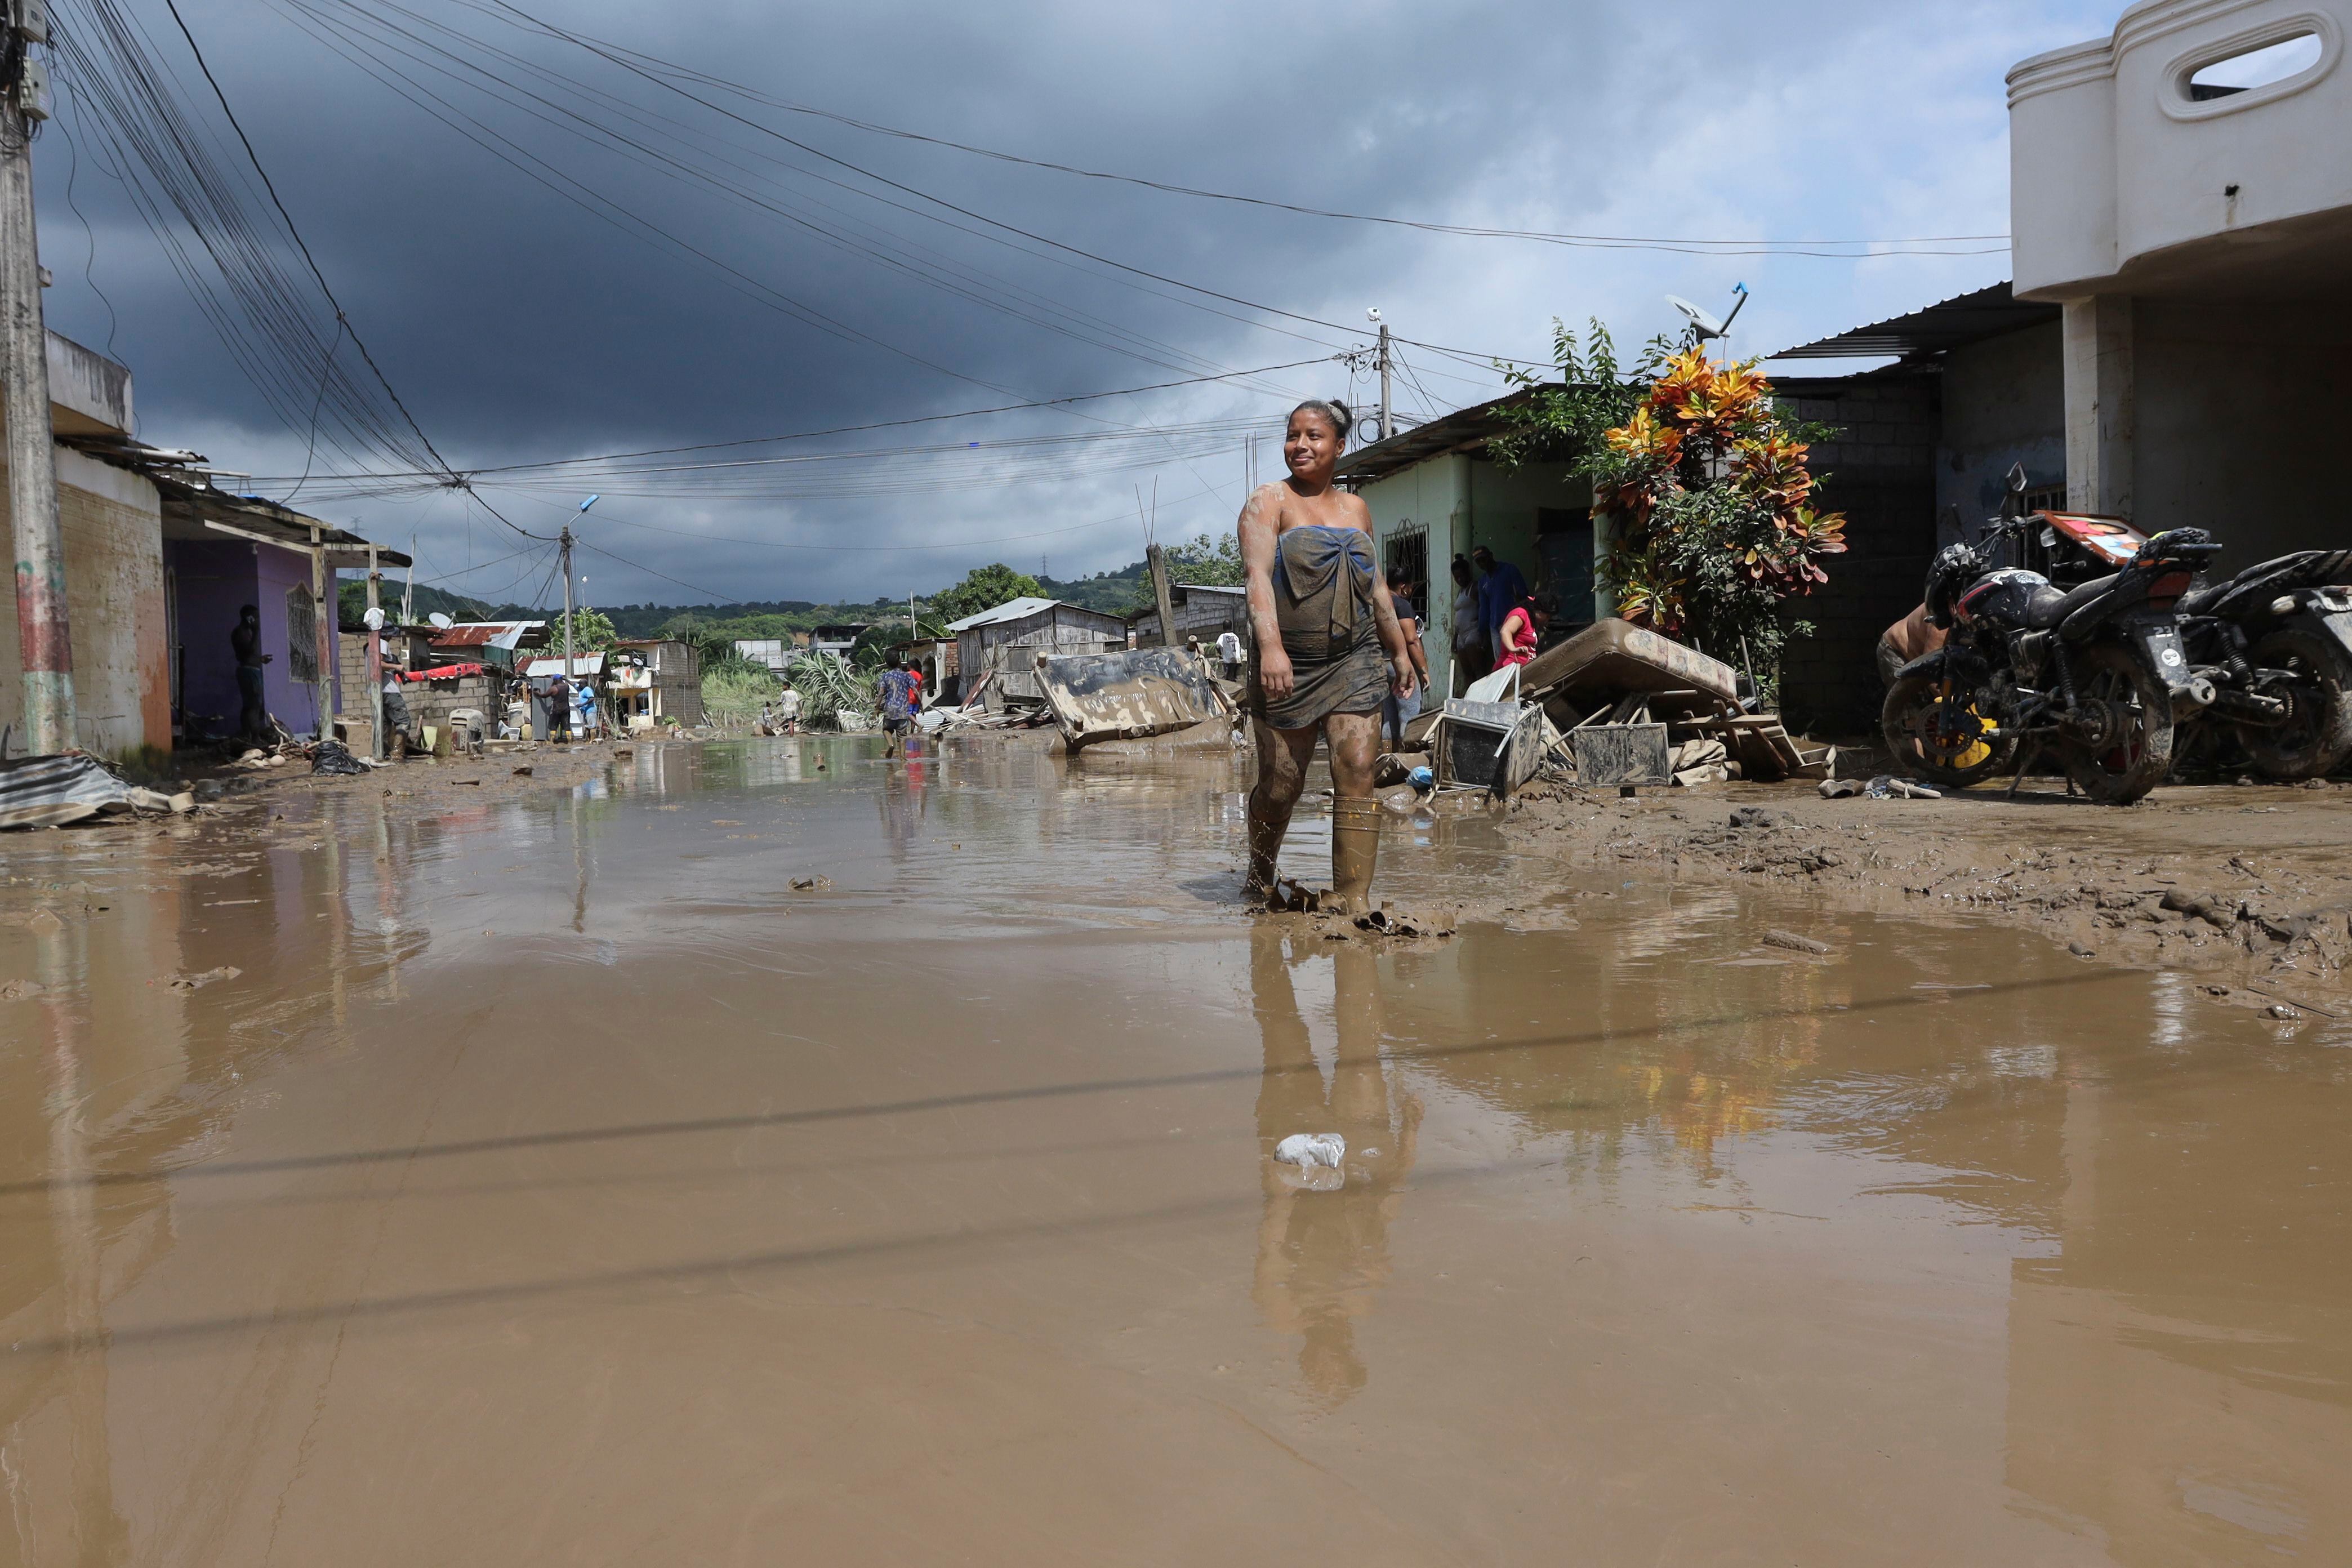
(2275, 642)
(2090, 676)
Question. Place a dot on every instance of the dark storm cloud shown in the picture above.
(520, 327)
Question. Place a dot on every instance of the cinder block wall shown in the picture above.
(111, 524)
(1881, 470)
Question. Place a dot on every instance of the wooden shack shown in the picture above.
(1004, 644)
(1202, 611)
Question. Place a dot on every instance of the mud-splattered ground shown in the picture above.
(2248, 888)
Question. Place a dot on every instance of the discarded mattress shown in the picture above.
(43, 792)
(1619, 656)
(1126, 693)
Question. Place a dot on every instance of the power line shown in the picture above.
(324, 288)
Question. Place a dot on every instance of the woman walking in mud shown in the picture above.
(1326, 650)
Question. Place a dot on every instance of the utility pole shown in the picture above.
(564, 539)
(43, 633)
(408, 590)
(1387, 429)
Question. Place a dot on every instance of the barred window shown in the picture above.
(301, 634)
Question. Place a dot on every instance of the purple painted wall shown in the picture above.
(215, 579)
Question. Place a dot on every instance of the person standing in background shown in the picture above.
(1501, 590)
(245, 642)
(1399, 711)
(1471, 656)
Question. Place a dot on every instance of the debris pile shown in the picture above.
(1613, 705)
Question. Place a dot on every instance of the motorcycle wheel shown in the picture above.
(2319, 734)
(1907, 723)
(2136, 759)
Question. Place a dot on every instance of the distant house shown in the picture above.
(772, 653)
(838, 637)
(1003, 644)
(1202, 611)
(656, 681)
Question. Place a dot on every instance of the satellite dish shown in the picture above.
(441, 620)
(1703, 322)
(375, 620)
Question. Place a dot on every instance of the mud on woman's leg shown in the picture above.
(1282, 758)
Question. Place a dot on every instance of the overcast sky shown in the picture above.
(545, 296)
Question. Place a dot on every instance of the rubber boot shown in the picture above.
(1266, 834)
(1355, 852)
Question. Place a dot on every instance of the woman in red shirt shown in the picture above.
(1522, 630)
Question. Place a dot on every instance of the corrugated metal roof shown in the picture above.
(1465, 429)
(481, 634)
(1952, 323)
(1011, 610)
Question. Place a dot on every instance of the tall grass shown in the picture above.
(732, 693)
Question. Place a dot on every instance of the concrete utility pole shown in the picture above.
(565, 540)
(42, 634)
(1387, 430)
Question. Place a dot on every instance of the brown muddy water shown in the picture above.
(556, 1184)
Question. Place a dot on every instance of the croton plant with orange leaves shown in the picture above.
(1711, 499)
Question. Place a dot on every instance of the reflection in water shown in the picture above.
(901, 801)
(1323, 1255)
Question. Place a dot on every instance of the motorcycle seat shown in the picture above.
(2049, 606)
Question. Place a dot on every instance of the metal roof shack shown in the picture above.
(1203, 610)
(1002, 645)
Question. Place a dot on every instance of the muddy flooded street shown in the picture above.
(555, 1181)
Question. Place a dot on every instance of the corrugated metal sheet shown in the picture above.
(481, 634)
(44, 792)
(1011, 610)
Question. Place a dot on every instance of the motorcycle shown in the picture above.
(2274, 641)
(2092, 675)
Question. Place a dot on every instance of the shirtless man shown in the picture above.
(1327, 650)
(1911, 638)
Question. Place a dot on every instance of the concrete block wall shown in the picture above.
(1880, 469)
(112, 521)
